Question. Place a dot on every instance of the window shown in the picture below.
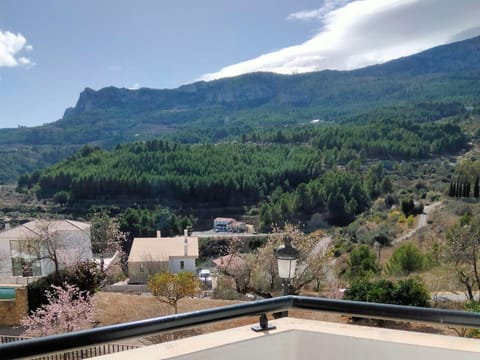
(25, 258)
(182, 265)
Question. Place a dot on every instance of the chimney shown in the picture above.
(185, 242)
(7, 223)
(159, 234)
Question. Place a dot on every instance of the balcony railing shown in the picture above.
(85, 338)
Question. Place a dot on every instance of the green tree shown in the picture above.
(412, 292)
(361, 263)
(406, 292)
(61, 197)
(405, 260)
(407, 205)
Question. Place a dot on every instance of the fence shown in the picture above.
(77, 354)
(89, 352)
(87, 339)
(4, 339)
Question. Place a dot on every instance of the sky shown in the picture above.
(51, 50)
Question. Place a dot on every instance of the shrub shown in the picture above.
(406, 292)
(405, 260)
(85, 275)
(61, 197)
(362, 263)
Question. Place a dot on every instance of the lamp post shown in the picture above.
(287, 257)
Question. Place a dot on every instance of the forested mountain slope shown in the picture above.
(433, 84)
(234, 174)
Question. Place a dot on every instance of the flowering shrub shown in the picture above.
(85, 275)
(68, 309)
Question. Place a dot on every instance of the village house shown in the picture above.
(158, 254)
(24, 249)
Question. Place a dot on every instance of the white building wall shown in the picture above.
(174, 264)
(5, 261)
(77, 246)
(73, 246)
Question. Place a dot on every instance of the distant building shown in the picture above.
(22, 254)
(221, 224)
(158, 254)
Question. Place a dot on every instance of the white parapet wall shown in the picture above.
(307, 339)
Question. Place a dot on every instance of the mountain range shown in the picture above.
(445, 76)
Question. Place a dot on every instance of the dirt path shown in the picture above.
(422, 221)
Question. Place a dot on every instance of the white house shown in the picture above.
(24, 249)
(156, 254)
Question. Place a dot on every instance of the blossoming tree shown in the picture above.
(68, 309)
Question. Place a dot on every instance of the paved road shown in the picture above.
(443, 296)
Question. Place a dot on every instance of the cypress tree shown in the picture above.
(458, 191)
(451, 191)
(476, 188)
(467, 189)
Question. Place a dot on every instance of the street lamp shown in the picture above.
(287, 257)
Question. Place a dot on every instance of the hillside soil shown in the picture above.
(114, 308)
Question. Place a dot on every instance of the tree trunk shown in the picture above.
(466, 281)
(475, 269)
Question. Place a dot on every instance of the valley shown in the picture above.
(390, 144)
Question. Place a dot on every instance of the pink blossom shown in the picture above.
(68, 309)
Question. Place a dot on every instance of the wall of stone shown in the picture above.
(12, 311)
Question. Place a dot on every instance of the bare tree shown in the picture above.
(463, 241)
(257, 272)
(58, 247)
(46, 245)
(107, 239)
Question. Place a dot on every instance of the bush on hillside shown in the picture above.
(410, 291)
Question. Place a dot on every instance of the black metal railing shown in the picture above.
(81, 339)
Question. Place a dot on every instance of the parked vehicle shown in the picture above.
(205, 277)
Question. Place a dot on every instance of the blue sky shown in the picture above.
(50, 50)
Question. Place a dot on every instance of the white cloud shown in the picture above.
(366, 32)
(10, 46)
(318, 14)
(134, 87)
(24, 61)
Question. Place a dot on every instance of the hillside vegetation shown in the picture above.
(290, 174)
(427, 86)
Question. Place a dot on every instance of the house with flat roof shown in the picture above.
(24, 249)
(158, 254)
